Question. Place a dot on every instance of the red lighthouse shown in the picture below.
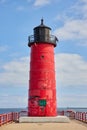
(42, 84)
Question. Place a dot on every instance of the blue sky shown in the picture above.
(68, 20)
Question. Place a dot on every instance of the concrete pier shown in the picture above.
(73, 125)
(57, 119)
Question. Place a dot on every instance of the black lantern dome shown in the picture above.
(42, 34)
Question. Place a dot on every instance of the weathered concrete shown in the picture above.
(62, 119)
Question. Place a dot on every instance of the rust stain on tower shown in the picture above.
(42, 84)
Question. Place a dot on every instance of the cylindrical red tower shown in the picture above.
(42, 84)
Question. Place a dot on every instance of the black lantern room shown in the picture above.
(42, 34)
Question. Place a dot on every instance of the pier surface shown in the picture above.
(73, 125)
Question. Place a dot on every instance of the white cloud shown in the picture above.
(71, 80)
(73, 29)
(72, 101)
(74, 23)
(15, 73)
(14, 101)
(71, 70)
(80, 8)
(41, 2)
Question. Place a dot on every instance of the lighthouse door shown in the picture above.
(42, 107)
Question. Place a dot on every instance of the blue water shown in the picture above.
(7, 110)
